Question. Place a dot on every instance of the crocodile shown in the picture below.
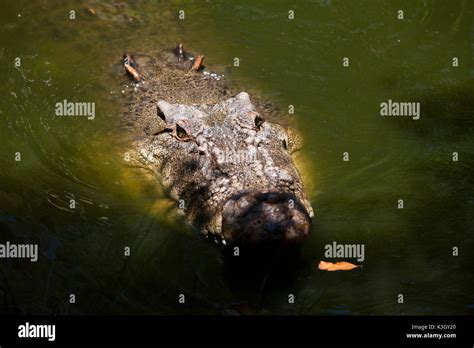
(218, 154)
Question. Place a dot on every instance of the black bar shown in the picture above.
(242, 329)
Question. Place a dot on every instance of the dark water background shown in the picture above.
(298, 62)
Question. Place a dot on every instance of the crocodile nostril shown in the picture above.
(267, 219)
(270, 197)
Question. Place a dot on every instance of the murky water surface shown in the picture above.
(298, 62)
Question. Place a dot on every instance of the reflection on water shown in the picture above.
(299, 62)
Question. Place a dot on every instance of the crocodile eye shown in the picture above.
(258, 121)
(181, 132)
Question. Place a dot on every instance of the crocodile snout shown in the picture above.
(259, 218)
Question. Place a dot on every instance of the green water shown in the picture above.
(290, 62)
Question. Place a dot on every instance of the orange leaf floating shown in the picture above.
(337, 266)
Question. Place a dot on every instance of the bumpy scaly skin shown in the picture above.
(232, 169)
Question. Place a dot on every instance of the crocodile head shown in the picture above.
(231, 171)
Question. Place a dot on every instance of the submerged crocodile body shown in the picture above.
(229, 167)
